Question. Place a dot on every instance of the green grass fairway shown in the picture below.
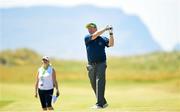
(77, 96)
(146, 83)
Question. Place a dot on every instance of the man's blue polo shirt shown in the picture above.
(96, 48)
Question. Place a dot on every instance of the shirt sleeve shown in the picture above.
(106, 40)
(87, 39)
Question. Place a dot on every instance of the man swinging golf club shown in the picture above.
(95, 46)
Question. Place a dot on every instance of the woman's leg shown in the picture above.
(42, 99)
(50, 108)
(49, 99)
(44, 109)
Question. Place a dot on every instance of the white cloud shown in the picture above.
(160, 16)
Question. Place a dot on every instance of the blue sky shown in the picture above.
(160, 16)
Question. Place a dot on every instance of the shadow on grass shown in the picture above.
(4, 103)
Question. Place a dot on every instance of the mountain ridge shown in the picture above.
(51, 30)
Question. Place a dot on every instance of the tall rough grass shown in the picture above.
(21, 66)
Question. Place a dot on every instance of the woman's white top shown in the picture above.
(45, 78)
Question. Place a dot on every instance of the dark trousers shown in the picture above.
(45, 97)
(97, 76)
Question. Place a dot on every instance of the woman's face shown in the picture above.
(45, 62)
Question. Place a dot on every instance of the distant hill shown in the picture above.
(60, 31)
(19, 57)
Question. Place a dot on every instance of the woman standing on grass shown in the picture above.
(45, 83)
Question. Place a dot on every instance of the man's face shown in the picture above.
(92, 30)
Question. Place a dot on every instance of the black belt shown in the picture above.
(95, 63)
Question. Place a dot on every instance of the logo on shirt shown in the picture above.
(100, 43)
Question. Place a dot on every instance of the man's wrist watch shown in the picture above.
(110, 33)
